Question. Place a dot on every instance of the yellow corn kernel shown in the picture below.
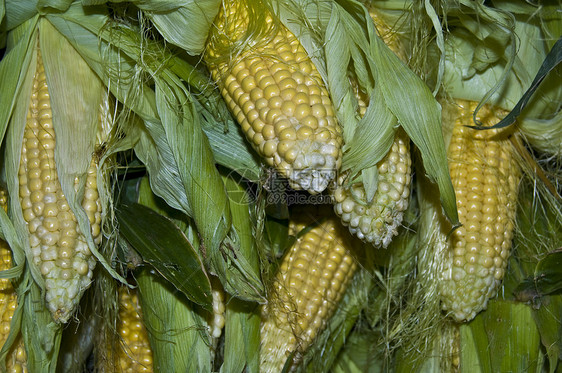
(311, 280)
(57, 245)
(134, 354)
(485, 175)
(278, 97)
(377, 222)
(16, 360)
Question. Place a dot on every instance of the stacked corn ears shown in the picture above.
(223, 281)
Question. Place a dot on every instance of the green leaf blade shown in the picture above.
(162, 244)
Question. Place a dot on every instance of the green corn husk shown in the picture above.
(346, 28)
(242, 329)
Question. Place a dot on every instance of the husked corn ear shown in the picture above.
(58, 246)
(377, 222)
(311, 280)
(16, 360)
(485, 176)
(277, 96)
(134, 353)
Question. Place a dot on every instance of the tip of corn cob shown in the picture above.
(377, 222)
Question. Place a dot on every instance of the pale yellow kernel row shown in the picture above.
(278, 97)
(310, 282)
(485, 176)
(58, 247)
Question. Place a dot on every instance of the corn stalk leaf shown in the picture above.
(174, 326)
(164, 246)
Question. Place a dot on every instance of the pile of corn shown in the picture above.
(280, 186)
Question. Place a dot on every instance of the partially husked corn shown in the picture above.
(311, 280)
(485, 175)
(16, 360)
(57, 245)
(278, 97)
(377, 221)
(134, 354)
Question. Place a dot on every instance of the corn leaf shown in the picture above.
(41, 335)
(361, 355)
(242, 337)
(229, 146)
(239, 261)
(513, 337)
(178, 131)
(188, 25)
(76, 119)
(174, 326)
(203, 185)
(419, 114)
(506, 339)
(164, 246)
(552, 60)
(374, 135)
(17, 12)
(15, 83)
(474, 357)
(121, 74)
(60, 5)
(547, 278)
(547, 318)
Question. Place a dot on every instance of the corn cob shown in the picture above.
(277, 96)
(486, 176)
(16, 360)
(134, 353)
(377, 221)
(58, 247)
(311, 280)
